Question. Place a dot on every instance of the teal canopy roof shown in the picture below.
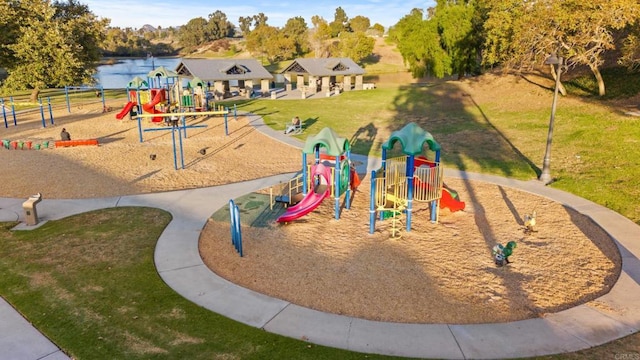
(196, 82)
(327, 139)
(162, 72)
(412, 137)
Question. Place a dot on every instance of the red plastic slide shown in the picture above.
(125, 110)
(313, 199)
(448, 201)
(150, 106)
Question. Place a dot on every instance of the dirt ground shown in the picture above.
(121, 165)
(437, 273)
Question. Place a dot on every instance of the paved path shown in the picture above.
(180, 266)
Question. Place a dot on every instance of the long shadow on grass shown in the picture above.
(466, 136)
(362, 140)
(459, 125)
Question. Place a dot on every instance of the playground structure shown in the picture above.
(330, 174)
(236, 232)
(408, 178)
(87, 93)
(40, 105)
(78, 96)
(162, 92)
(162, 99)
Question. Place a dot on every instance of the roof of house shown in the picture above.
(223, 69)
(324, 67)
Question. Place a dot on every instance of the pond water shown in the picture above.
(118, 75)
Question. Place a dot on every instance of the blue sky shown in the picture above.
(134, 14)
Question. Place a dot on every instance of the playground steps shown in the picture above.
(68, 143)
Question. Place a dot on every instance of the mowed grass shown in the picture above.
(594, 154)
(88, 282)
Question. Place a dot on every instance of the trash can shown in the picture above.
(30, 212)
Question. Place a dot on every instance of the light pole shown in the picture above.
(545, 176)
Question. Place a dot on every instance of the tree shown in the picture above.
(245, 24)
(261, 41)
(360, 24)
(280, 48)
(321, 33)
(218, 27)
(296, 30)
(340, 22)
(523, 34)
(193, 33)
(446, 42)
(631, 49)
(378, 29)
(59, 45)
(260, 20)
(356, 46)
(459, 36)
(10, 29)
(419, 43)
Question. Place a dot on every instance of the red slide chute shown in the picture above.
(314, 198)
(125, 110)
(150, 107)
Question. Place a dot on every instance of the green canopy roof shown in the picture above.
(196, 82)
(412, 137)
(328, 139)
(162, 72)
(137, 82)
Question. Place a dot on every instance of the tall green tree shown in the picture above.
(218, 27)
(340, 22)
(261, 41)
(193, 33)
(378, 29)
(419, 43)
(319, 36)
(360, 24)
(296, 29)
(459, 36)
(58, 45)
(260, 20)
(9, 19)
(245, 24)
(446, 42)
(356, 46)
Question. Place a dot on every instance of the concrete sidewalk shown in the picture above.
(179, 264)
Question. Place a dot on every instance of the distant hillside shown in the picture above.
(385, 58)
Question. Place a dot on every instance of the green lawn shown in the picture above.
(595, 152)
(94, 291)
(88, 282)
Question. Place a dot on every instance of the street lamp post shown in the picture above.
(545, 176)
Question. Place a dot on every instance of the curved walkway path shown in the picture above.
(179, 264)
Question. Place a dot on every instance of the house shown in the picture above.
(218, 73)
(326, 74)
